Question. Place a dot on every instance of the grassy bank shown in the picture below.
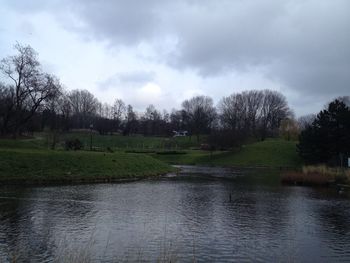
(29, 160)
(44, 166)
(269, 153)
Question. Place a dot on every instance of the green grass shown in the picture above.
(115, 142)
(191, 157)
(35, 143)
(29, 160)
(270, 153)
(45, 166)
(118, 142)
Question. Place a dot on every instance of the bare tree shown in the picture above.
(305, 121)
(64, 110)
(254, 112)
(241, 111)
(151, 121)
(274, 110)
(84, 106)
(51, 111)
(119, 110)
(253, 102)
(289, 129)
(179, 120)
(130, 121)
(152, 113)
(6, 107)
(105, 110)
(233, 112)
(201, 114)
(31, 87)
(166, 116)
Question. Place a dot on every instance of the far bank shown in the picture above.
(28, 166)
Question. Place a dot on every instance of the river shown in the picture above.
(185, 218)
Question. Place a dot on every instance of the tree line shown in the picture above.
(32, 100)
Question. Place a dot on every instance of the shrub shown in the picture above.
(73, 144)
(109, 149)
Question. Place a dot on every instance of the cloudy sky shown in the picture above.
(161, 51)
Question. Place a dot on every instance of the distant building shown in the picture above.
(180, 133)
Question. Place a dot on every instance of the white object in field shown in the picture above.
(348, 161)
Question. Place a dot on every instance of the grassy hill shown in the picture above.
(29, 160)
(119, 142)
(115, 142)
(45, 166)
(271, 153)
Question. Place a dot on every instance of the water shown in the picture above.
(178, 218)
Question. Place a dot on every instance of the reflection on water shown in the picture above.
(178, 219)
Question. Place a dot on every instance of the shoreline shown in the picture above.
(177, 169)
(79, 181)
(44, 167)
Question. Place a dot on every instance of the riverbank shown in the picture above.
(28, 161)
(29, 166)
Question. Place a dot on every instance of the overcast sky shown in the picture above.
(161, 52)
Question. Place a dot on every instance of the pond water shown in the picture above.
(183, 218)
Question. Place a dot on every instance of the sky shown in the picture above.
(162, 52)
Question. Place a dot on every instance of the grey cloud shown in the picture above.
(119, 21)
(127, 78)
(30, 6)
(136, 76)
(302, 44)
(124, 22)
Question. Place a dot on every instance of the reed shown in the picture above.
(317, 175)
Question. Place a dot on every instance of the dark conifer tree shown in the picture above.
(327, 139)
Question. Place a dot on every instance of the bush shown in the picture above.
(110, 150)
(73, 144)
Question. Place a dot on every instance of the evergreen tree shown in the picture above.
(328, 137)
